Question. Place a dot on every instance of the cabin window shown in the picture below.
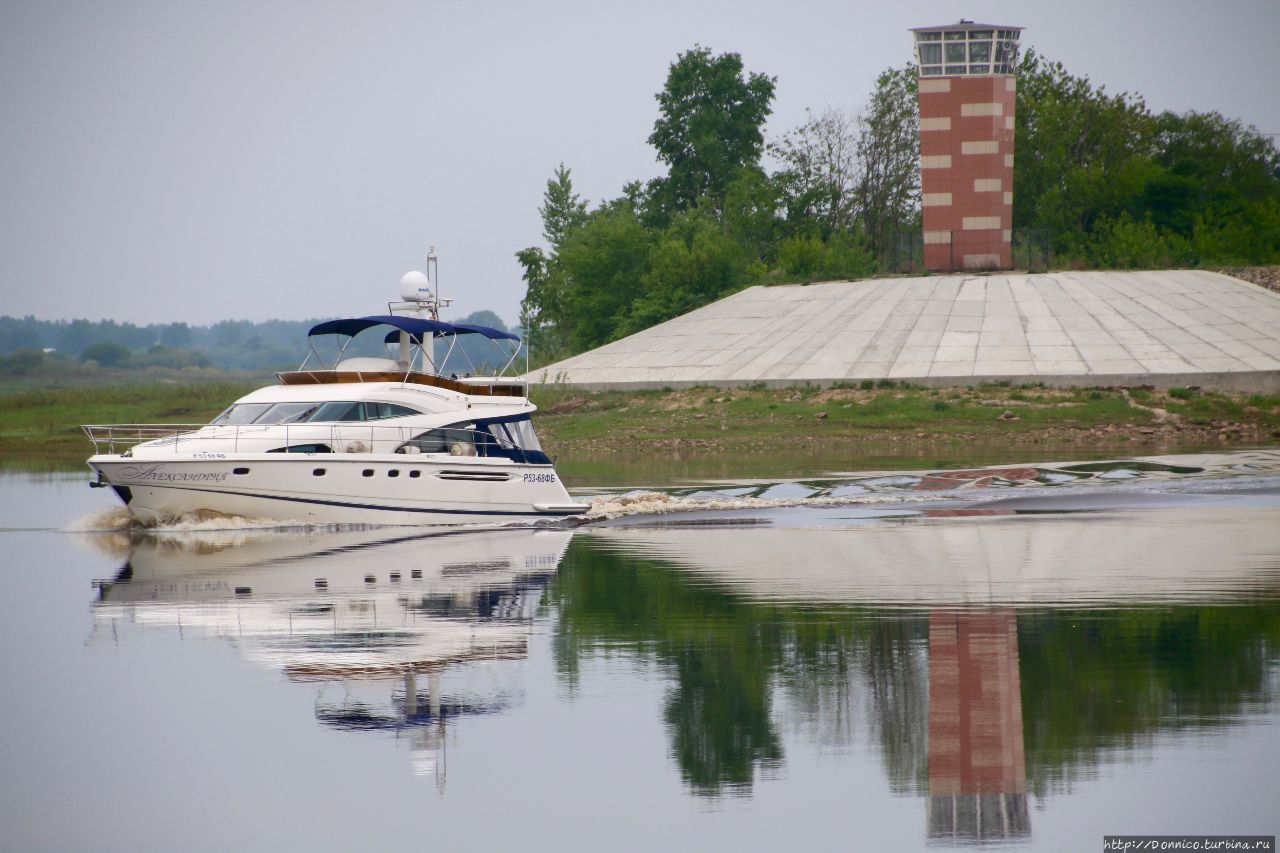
(349, 410)
(394, 472)
(338, 410)
(240, 471)
(367, 472)
(302, 448)
(510, 438)
(317, 472)
(445, 439)
(378, 411)
(413, 475)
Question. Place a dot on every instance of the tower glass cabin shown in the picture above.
(967, 98)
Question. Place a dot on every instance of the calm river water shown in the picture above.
(1036, 656)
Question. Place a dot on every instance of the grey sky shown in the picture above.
(164, 161)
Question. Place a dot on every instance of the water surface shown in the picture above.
(1035, 656)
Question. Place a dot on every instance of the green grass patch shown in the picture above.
(40, 428)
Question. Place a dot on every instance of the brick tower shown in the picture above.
(967, 96)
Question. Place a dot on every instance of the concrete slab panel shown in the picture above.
(1211, 334)
(925, 337)
(1103, 353)
(1054, 353)
(1261, 362)
(931, 322)
(1057, 367)
(1166, 365)
(1114, 365)
(1134, 338)
(1008, 308)
(1003, 368)
(1223, 363)
(869, 370)
(1091, 337)
(1079, 323)
(1237, 349)
(964, 324)
(951, 368)
(1008, 323)
(1003, 354)
(1016, 338)
(1146, 351)
(1042, 324)
(908, 369)
(959, 339)
(956, 354)
(1152, 323)
(910, 353)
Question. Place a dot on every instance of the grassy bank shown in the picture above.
(40, 428)
(883, 412)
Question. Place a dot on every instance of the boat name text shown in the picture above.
(160, 473)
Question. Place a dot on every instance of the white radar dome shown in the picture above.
(415, 287)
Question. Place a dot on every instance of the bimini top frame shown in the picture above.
(418, 329)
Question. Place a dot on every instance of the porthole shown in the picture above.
(317, 472)
(240, 471)
(413, 475)
(394, 472)
(367, 472)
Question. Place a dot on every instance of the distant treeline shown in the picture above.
(1099, 181)
(28, 344)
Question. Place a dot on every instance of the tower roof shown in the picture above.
(964, 25)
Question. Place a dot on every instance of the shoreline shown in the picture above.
(40, 431)
(723, 421)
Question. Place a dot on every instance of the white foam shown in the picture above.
(656, 503)
(118, 519)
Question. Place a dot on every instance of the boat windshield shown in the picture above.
(511, 437)
(241, 413)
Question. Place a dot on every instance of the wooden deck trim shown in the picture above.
(330, 377)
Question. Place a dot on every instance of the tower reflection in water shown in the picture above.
(401, 634)
(977, 768)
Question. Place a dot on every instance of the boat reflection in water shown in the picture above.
(1102, 631)
(402, 633)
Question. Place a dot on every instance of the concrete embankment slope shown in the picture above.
(1167, 329)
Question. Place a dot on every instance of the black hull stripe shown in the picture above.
(349, 505)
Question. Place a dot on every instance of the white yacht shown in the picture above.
(369, 440)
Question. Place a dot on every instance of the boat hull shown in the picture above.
(337, 488)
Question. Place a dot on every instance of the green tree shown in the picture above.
(562, 209)
(888, 183)
(1082, 154)
(599, 268)
(543, 311)
(175, 335)
(754, 213)
(692, 263)
(22, 362)
(820, 169)
(709, 125)
(107, 354)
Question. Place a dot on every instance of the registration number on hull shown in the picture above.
(540, 478)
